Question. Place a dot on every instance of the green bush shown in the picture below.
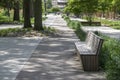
(55, 9)
(110, 58)
(66, 18)
(74, 24)
(80, 33)
(63, 15)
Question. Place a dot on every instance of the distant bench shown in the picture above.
(88, 51)
(92, 23)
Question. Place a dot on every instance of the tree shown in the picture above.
(11, 4)
(103, 6)
(26, 8)
(74, 7)
(31, 8)
(49, 4)
(38, 15)
(7, 5)
(89, 8)
(16, 16)
(115, 7)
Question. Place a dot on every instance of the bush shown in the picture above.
(63, 15)
(110, 58)
(74, 24)
(66, 18)
(80, 33)
(55, 9)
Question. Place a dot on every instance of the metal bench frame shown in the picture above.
(88, 51)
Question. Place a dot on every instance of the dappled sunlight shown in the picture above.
(5, 26)
(14, 52)
(54, 59)
(55, 45)
(3, 53)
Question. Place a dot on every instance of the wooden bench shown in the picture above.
(92, 23)
(88, 51)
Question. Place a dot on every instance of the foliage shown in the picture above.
(29, 32)
(74, 7)
(104, 5)
(110, 58)
(55, 9)
(49, 29)
(49, 4)
(3, 18)
(88, 7)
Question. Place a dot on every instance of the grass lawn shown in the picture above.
(111, 23)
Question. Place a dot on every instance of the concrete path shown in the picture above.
(6, 26)
(54, 59)
(113, 33)
(14, 53)
(78, 19)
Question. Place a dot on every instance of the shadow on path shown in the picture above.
(54, 59)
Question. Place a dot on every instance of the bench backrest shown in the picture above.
(94, 42)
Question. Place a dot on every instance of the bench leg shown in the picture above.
(90, 62)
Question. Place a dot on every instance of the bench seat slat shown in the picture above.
(83, 48)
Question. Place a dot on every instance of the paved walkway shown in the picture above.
(113, 33)
(6, 26)
(54, 59)
(14, 52)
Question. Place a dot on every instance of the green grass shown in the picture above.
(110, 23)
(14, 32)
(11, 31)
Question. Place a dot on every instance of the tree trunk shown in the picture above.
(89, 19)
(26, 6)
(16, 16)
(31, 8)
(38, 15)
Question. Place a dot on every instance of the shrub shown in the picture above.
(63, 15)
(55, 9)
(74, 24)
(110, 58)
(66, 18)
(80, 33)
